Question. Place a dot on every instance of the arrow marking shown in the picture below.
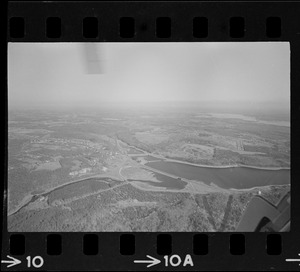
(12, 262)
(293, 260)
(151, 262)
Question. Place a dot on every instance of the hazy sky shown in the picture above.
(42, 74)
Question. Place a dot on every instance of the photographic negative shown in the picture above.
(148, 137)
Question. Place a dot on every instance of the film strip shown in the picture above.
(272, 244)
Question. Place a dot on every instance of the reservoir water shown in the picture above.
(134, 151)
(227, 178)
(75, 189)
(151, 158)
(147, 158)
(165, 181)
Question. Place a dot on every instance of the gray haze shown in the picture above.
(56, 74)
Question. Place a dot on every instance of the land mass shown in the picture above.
(90, 171)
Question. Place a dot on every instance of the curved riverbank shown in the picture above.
(224, 177)
(257, 188)
(212, 166)
(32, 196)
(227, 166)
(144, 153)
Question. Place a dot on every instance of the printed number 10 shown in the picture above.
(36, 261)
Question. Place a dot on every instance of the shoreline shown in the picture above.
(257, 187)
(226, 166)
(21, 205)
(145, 153)
(155, 189)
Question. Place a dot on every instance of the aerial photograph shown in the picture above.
(148, 137)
